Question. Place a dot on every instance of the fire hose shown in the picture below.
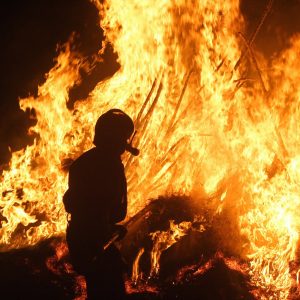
(117, 235)
(112, 240)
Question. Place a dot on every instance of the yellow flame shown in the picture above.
(162, 240)
(202, 127)
(136, 274)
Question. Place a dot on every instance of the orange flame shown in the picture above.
(162, 240)
(136, 274)
(199, 126)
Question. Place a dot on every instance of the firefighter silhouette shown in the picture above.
(97, 200)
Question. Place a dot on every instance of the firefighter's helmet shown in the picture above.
(114, 128)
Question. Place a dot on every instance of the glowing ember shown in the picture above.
(204, 123)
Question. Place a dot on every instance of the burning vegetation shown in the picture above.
(217, 125)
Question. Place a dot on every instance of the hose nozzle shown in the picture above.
(132, 150)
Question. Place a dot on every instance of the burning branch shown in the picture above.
(252, 38)
(137, 121)
(255, 62)
(171, 124)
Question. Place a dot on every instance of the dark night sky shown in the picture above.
(31, 30)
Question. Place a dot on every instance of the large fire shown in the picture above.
(203, 124)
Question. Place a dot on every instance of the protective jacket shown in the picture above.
(96, 200)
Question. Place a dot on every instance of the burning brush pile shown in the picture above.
(218, 129)
(176, 259)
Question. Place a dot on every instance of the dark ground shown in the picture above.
(24, 275)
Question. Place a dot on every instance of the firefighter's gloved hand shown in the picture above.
(121, 231)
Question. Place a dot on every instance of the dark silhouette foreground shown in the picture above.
(97, 201)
